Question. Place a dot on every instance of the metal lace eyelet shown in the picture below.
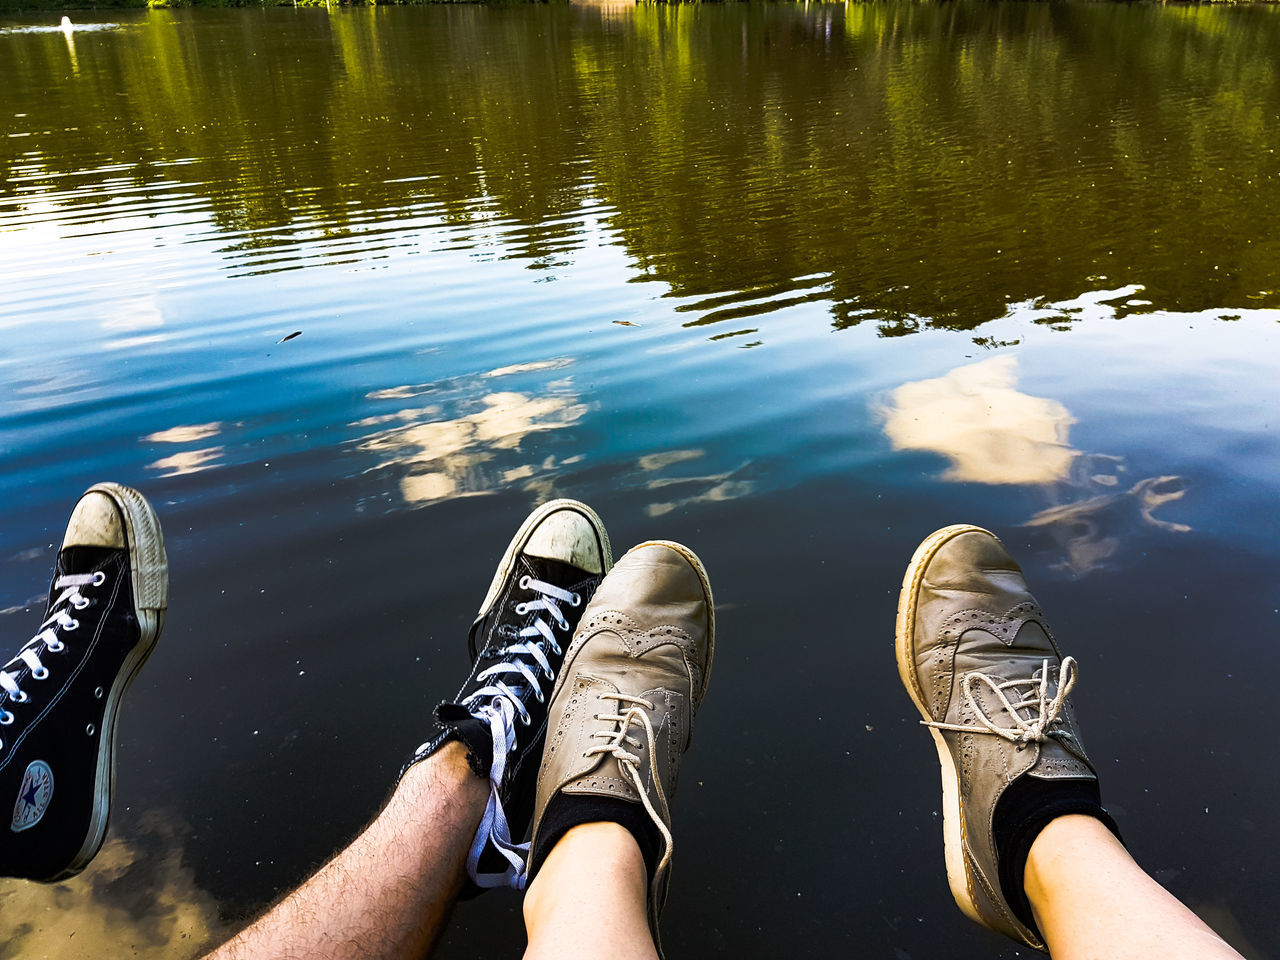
(521, 609)
(99, 578)
(6, 718)
(55, 646)
(41, 674)
(80, 602)
(576, 600)
(72, 624)
(524, 583)
(20, 697)
(538, 695)
(90, 729)
(97, 692)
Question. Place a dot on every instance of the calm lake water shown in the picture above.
(795, 285)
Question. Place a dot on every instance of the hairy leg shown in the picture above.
(588, 900)
(389, 892)
(1091, 900)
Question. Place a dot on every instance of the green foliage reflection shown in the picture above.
(916, 164)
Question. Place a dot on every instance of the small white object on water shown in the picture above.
(67, 25)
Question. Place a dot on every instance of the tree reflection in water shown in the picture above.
(926, 164)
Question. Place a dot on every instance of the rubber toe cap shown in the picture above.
(569, 537)
(95, 522)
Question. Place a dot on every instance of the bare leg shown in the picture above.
(1091, 900)
(588, 900)
(388, 893)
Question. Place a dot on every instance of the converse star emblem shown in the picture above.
(33, 796)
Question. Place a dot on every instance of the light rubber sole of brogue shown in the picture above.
(953, 826)
(701, 571)
(525, 532)
(149, 571)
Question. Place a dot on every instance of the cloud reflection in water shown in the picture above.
(137, 897)
(1089, 531)
(186, 461)
(989, 431)
(468, 445)
(689, 490)
(993, 434)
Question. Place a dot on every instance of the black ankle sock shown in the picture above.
(474, 735)
(566, 811)
(1022, 812)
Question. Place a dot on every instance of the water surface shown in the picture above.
(794, 285)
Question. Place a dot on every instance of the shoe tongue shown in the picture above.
(85, 559)
(1005, 656)
(1027, 638)
(564, 575)
(1031, 637)
(474, 734)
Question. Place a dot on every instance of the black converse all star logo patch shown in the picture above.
(33, 796)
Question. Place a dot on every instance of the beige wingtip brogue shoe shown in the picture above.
(977, 657)
(621, 714)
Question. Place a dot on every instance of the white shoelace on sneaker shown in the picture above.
(629, 763)
(46, 641)
(1045, 710)
(500, 705)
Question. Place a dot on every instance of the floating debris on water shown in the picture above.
(65, 26)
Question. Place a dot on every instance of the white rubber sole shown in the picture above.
(521, 539)
(149, 567)
(953, 826)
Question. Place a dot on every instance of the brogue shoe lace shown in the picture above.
(1034, 717)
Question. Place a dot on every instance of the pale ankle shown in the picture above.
(1060, 840)
(582, 851)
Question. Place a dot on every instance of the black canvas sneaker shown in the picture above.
(979, 661)
(550, 570)
(60, 696)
